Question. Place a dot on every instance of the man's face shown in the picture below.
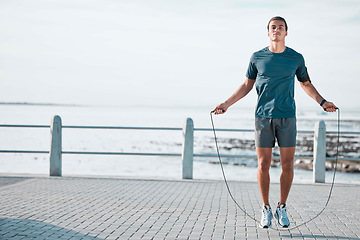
(277, 30)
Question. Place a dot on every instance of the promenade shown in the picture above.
(37, 207)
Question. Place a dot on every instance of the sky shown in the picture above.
(168, 53)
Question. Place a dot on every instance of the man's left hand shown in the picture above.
(329, 107)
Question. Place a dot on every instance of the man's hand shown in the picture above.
(329, 107)
(220, 109)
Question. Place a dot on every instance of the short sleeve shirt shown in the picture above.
(274, 75)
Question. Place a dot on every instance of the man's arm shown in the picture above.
(313, 93)
(241, 92)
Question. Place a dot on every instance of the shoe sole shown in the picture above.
(264, 226)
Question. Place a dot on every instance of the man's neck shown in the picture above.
(277, 47)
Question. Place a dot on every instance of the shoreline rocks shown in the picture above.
(349, 146)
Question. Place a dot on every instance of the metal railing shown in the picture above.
(187, 153)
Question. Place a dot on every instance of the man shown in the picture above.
(273, 71)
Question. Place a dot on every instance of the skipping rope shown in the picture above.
(253, 218)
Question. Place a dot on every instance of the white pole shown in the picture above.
(188, 149)
(55, 147)
(319, 152)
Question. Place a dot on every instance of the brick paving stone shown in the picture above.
(111, 208)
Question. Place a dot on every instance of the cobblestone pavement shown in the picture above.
(112, 208)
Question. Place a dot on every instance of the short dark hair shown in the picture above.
(278, 18)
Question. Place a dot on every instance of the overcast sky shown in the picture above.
(168, 53)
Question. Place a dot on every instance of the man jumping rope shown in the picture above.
(273, 70)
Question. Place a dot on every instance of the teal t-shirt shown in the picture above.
(274, 75)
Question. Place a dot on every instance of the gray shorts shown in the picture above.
(267, 129)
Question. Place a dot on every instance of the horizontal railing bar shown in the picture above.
(224, 130)
(242, 156)
(274, 157)
(22, 151)
(94, 127)
(115, 127)
(224, 155)
(343, 158)
(123, 153)
(252, 130)
(341, 132)
(25, 126)
(305, 131)
(240, 130)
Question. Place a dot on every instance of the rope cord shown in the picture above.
(252, 217)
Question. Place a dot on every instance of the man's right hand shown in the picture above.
(220, 109)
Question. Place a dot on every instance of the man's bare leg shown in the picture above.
(263, 176)
(287, 174)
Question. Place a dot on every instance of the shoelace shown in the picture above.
(282, 212)
(266, 212)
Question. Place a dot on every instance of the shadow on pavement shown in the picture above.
(33, 229)
(317, 236)
(4, 181)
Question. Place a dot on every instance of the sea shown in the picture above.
(151, 141)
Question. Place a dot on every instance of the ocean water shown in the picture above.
(146, 141)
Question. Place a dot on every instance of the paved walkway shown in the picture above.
(111, 208)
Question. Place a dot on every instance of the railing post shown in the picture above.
(55, 147)
(319, 152)
(188, 149)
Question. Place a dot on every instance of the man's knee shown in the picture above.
(264, 165)
(287, 166)
(287, 159)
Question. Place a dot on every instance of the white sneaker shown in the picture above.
(281, 216)
(266, 217)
